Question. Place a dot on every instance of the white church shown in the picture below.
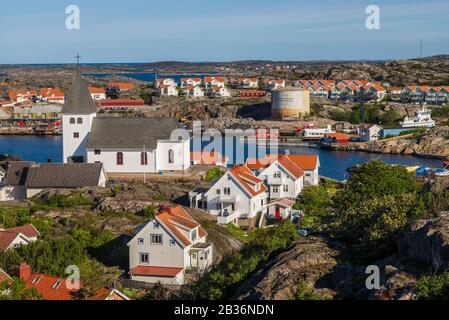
(123, 145)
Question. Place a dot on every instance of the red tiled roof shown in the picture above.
(51, 92)
(291, 167)
(94, 90)
(14, 94)
(305, 161)
(284, 201)
(212, 78)
(180, 216)
(338, 136)
(6, 238)
(155, 271)
(243, 174)
(28, 230)
(4, 276)
(122, 85)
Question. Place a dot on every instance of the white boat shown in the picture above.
(423, 119)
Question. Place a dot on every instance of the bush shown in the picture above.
(222, 281)
(214, 174)
(435, 287)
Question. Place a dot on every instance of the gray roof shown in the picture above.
(78, 99)
(129, 133)
(49, 175)
(15, 172)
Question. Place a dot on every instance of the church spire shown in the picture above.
(78, 100)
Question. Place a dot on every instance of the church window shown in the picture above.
(119, 158)
(171, 156)
(79, 120)
(144, 158)
(72, 120)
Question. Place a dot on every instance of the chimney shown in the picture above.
(23, 271)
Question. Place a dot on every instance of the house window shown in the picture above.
(144, 158)
(156, 239)
(275, 189)
(144, 257)
(119, 158)
(172, 243)
(277, 174)
(156, 225)
(218, 191)
(140, 241)
(72, 120)
(194, 235)
(76, 135)
(262, 202)
(79, 120)
(285, 188)
(227, 191)
(97, 151)
(171, 156)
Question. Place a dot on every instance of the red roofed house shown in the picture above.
(123, 86)
(97, 93)
(21, 95)
(120, 104)
(214, 81)
(248, 83)
(193, 91)
(330, 138)
(190, 82)
(237, 194)
(165, 82)
(14, 237)
(166, 246)
(273, 84)
(284, 178)
(57, 288)
(52, 95)
(309, 163)
(280, 209)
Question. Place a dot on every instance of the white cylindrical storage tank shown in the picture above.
(290, 102)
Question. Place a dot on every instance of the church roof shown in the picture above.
(129, 133)
(78, 99)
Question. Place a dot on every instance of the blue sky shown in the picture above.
(204, 30)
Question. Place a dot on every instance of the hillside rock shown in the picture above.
(428, 242)
(308, 259)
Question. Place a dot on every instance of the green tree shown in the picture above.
(379, 201)
(390, 118)
(315, 203)
(17, 290)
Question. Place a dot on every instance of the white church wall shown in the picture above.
(75, 146)
(131, 161)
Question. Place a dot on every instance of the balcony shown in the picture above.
(276, 181)
(226, 217)
(227, 199)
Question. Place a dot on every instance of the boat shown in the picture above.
(443, 172)
(423, 119)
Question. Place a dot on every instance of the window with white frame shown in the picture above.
(285, 187)
(144, 257)
(275, 189)
(140, 241)
(227, 191)
(156, 239)
(172, 242)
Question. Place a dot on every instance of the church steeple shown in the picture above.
(78, 100)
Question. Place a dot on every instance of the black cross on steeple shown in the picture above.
(78, 59)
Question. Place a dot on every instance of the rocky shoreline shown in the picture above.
(433, 144)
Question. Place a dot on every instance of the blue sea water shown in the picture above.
(333, 163)
(148, 76)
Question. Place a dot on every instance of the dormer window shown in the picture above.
(257, 187)
(193, 235)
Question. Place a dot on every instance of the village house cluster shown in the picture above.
(345, 89)
(213, 86)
